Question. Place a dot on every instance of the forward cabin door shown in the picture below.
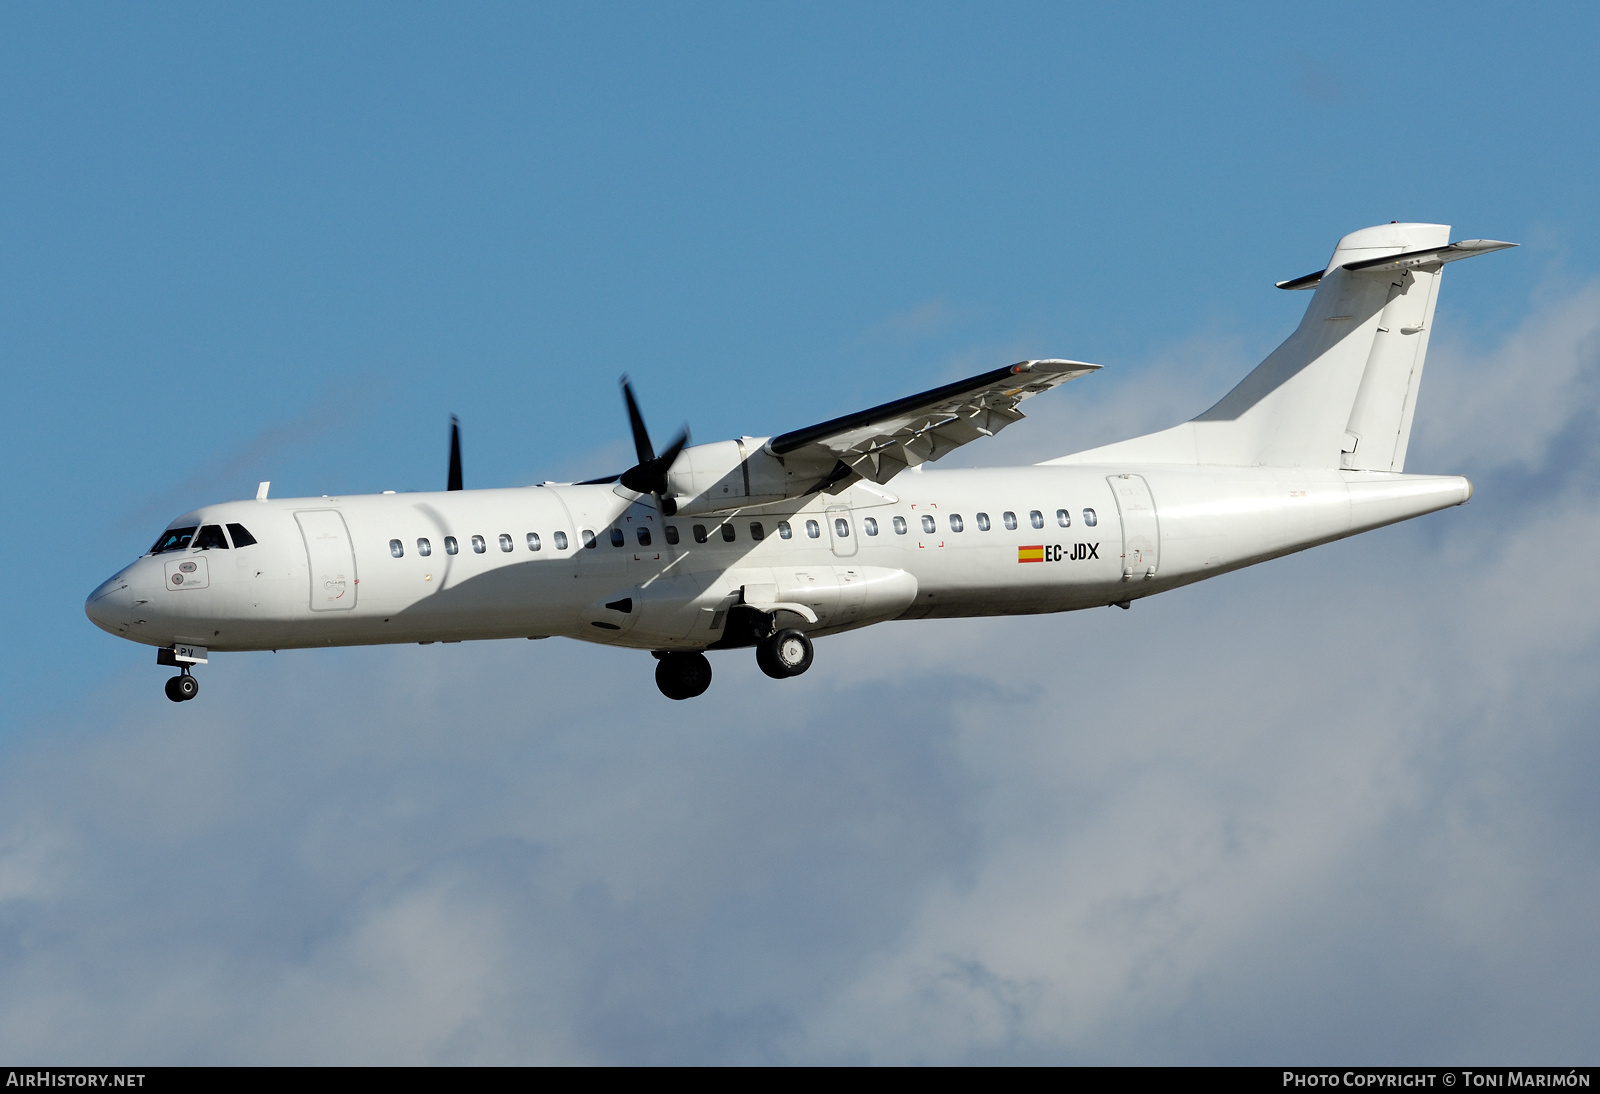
(1141, 535)
(330, 559)
(646, 542)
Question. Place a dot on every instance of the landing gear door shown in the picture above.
(330, 559)
(841, 531)
(1141, 535)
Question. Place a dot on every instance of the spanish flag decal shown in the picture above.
(1031, 554)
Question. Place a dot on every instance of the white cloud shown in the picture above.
(1513, 406)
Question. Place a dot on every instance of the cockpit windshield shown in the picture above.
(173, 539)
(210, 536)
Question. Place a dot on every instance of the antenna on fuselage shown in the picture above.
(454, 482)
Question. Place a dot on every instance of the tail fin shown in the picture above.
(1341, 390)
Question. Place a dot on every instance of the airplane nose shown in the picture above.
(110, 607)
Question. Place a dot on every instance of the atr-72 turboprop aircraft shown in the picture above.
(769, 542)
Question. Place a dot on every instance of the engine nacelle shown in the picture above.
(731, 474)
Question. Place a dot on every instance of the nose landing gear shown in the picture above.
(183, 687)
(180, 689)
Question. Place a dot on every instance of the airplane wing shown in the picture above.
(878, 444)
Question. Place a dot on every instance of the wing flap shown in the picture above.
(879, 443)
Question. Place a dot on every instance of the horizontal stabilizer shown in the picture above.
(1429, 258)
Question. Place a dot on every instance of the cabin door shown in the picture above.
(330, 559)
(645, 539)
(1141, 536)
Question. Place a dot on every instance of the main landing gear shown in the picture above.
(182, 688)
(784, 654)
(682, 675)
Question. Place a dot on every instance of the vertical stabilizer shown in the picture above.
(1295, 408)
(1341, 390)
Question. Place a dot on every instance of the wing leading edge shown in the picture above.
(879, 443)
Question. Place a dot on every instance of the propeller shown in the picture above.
(649, 475)
(454, 482)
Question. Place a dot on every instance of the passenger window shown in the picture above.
(617, 538)
(813, 529)
(983, 522)
(505, 542)
(424, 548)
(672, 534)
(756, 531)
(241, 537)
(1089, 518)
(899, 526)
(211, 536)
(927, 524)
(588, 539)
(1036, 519)
(396, 548)
(870, 525)
(841, 527)
(561, 540)
(727, 533)
(1063, 518)
(173, 539)
(955, 522)
(642, 534)
(1010, 520)
(533, 541)
(699, 533)
(450, 547)
(784, 531)
(478, 546)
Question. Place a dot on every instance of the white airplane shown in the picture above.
(767, 543)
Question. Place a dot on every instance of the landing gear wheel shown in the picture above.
(785, 654)
(180, 689)
(683, 675)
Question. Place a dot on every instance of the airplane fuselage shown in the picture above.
(599, 564)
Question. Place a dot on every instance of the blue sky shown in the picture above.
(242, 244)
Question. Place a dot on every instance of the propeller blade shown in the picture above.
(454, 482)
(670, 456)
(649, 475)
(641, 436)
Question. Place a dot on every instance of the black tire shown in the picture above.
(766, 664)
(787, 653)
(683, 675)
(180, 689)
